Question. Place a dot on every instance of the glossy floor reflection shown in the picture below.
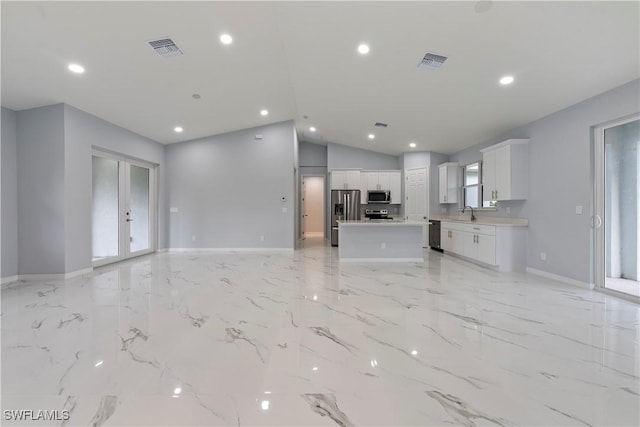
(298, 339)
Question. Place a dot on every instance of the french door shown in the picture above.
(124, 208)
(616, 222)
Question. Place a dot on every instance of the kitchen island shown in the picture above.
(380, 241)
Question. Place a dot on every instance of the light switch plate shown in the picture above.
(578, 210)
(284, 210)
(173, 210)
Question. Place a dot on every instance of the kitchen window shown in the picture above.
(472, 187)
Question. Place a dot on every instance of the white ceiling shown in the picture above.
(299, 59)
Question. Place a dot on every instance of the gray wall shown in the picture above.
(560, 156)
(54, 175)
(228, 189)
(345, 157)
(41, 193)
(84, 131)
(9, 193)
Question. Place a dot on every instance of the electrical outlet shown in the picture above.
(578, 210)
(262, 238)
(543, 256)
(383, 245)
(284, 210)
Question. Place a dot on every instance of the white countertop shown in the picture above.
(502, 222)
(381, 222)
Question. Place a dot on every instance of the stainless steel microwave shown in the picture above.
(378, 196)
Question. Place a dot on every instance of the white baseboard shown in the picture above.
(381, 260)
(43, 277)
(9, 279)
(222, 250)
(561, 279)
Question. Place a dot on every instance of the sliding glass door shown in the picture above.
(124, 208)
(617, 218)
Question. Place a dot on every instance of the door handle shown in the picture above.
(596, 221)
(129, 220)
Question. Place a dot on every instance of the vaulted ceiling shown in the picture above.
(299, 61)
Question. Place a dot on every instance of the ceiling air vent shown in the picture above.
(431, 61)
(381, 125)
(165, 47)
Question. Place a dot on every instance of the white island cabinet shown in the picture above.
(380, 241)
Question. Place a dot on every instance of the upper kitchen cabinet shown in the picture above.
(384, 181)
(448, 182)
(345, 180)
(505, 170)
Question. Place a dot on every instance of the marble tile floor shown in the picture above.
(285, 339)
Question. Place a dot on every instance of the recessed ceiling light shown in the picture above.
(226, 39)
(264, 112)
(506, 80)
(412, 145)
(372, 136)
(76, 68)
(178, 129)
(363, 49)
(312, 129)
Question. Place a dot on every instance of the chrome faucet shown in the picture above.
(473, 217)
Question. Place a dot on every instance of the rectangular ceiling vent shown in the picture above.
(431, 61)
(165, 47)
(381, 125)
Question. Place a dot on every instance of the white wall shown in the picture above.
(560, 158)
(228, 189)
(9, 194)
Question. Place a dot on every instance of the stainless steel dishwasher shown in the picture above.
(434, 235)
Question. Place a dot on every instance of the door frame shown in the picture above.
(425, 230)
(598, 258)
(124, 231)
(324, 202)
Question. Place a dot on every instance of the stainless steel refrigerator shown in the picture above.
(345, 205)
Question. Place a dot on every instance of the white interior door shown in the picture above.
(124, 208)
(616, 222)
(416, 199)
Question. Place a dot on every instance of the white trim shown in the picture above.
(42, 277)
(622, 295)
(229, 250)
(562, 279)
(9, 279)
(381, 260)
(513, 141)
(163, 250)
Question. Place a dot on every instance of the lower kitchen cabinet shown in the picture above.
(501, 247)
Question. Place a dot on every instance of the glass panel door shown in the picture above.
(617, 219)
(138, 216)
(105, 209)
(124, 208)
